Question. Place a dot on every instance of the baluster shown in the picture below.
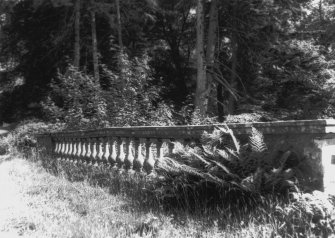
(89, 152)
(84, 151)
(74, 151)
(69, 157)
(79, 147)
(113, 156)
(179, 141)
(160, 150)
(106, 153)
(66, 149)
(59, 150)
(56, 147)
(149, 163)
(162, 147)
(122, 156)
(139, 160)
(62, 149)
(62, 152)
(100, 151)
(94, 152)
(170, 147)
(130, 156)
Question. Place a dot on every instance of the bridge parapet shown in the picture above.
(138, 148)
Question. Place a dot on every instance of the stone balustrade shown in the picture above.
(138, 148)
(125, 149)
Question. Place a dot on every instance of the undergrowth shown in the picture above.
(233, 190)
(295, 215)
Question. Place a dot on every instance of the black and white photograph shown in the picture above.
(167, 118)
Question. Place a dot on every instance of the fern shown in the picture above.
(222, 164)
(227, 131)
(256, 141)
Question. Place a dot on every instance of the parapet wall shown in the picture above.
(137, 148)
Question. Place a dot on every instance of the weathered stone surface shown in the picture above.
(311, 140)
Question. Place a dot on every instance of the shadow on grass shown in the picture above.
(208, 207)
(145, 195)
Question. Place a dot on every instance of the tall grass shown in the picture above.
(80, 209)
(218, 188)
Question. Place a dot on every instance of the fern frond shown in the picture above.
(208, 150)
(224, 168)
(212, 139)
(170, 165)
(223, 154)
(199, 157)
(214, 179)
(256, 141)
(226, 130)
(232, 152)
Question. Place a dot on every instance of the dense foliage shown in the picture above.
(273, 59)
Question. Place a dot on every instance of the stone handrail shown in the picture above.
(127, 148)
(138, 148)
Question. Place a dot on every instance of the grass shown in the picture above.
(43, 197)
(34, 203)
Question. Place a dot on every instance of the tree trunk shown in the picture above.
(233, 81)
(119, 30)
(234, 49)
(321, 12)
(210, 52)
(119, 26)
(219, 97)
(76, 62)
(200, 94)
(94, 44)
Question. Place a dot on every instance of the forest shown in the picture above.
(104, 63)
(69, 69)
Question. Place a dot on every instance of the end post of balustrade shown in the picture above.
(45, 145)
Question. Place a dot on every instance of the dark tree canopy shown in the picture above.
(273, 59)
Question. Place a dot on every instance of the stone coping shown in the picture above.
(321, 126)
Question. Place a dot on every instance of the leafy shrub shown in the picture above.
(309, 211)
(5, 144)
(132, 99)
(23, 140)
(126, 99)
(198, 119)
(248, 117)
(80, 101)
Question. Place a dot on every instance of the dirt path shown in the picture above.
(34, 203)
(14, 210)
